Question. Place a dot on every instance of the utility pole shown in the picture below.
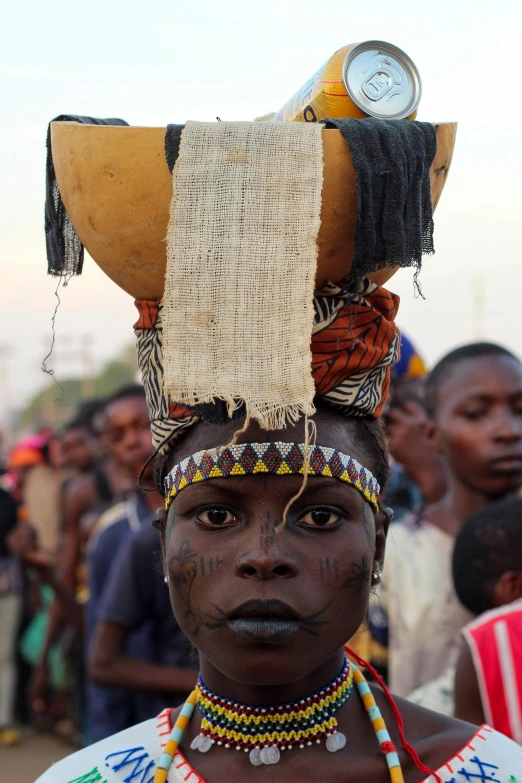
(77, 351)
(87, 361)
(6, 349)
(477, 307)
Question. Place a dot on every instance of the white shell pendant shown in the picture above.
(254, 757)
(201, 743)
(335, 741)
(268, 755)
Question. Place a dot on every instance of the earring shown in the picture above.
(376, 576)
(166, 579)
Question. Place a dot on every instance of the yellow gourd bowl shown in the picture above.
(117, 188)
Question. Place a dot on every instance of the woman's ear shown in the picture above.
(382, 523)
(160, 523)
(160, 519)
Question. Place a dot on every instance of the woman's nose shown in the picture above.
(266, 566)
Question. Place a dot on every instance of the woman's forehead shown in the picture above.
(332, 430)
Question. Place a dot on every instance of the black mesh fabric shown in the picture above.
(172, 142)
(392, 160)
(64, 249)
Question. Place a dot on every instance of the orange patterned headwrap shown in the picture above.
(354, 345)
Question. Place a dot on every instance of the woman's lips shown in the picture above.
(264, 620)
(263, 628)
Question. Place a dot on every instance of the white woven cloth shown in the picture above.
(241, 265)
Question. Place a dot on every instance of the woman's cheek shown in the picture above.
(345, 563)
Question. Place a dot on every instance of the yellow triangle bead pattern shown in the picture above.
(277, 458)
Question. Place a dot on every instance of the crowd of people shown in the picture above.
(76, 524)
(89, 644)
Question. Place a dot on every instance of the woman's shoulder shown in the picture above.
(135, 749)
(459, 751)
(485, 755)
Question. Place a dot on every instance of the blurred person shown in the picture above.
(417, 475)
(10, 609)
(129, 441)
(25, 455)
(42, 491)
(474, 401)
(3, 462)
(417, 472)
(136, 615)
(79, 447)
(487, 571)
(84, 499)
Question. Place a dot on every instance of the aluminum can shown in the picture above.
(370, 79)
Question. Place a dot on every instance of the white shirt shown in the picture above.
(424, 615)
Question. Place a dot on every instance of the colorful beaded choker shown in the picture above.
(265, 732)
(280, 459)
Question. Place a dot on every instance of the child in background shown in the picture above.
(487, 571)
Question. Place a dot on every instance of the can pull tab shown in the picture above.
(383, 79)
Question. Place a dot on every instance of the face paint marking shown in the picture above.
(360, 576)
(184, 568)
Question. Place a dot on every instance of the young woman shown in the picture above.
(269, 607)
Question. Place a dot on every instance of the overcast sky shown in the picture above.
(159, 62)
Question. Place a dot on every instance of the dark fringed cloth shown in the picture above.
(392, 160)
(64, 249)
(172, 142)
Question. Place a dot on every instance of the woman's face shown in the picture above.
(266, 607)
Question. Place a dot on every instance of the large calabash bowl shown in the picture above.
(117, 189)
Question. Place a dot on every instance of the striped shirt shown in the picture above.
(495, 642)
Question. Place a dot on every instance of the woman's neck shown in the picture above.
(270, 695)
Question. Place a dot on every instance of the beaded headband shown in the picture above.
(280, 459)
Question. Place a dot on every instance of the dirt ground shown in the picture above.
(25, 762)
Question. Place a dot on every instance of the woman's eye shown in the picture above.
(320, 517)
(216, 517)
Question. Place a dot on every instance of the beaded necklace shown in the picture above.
(264, 732)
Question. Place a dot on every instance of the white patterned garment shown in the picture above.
(424, 615)
(131, 757)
